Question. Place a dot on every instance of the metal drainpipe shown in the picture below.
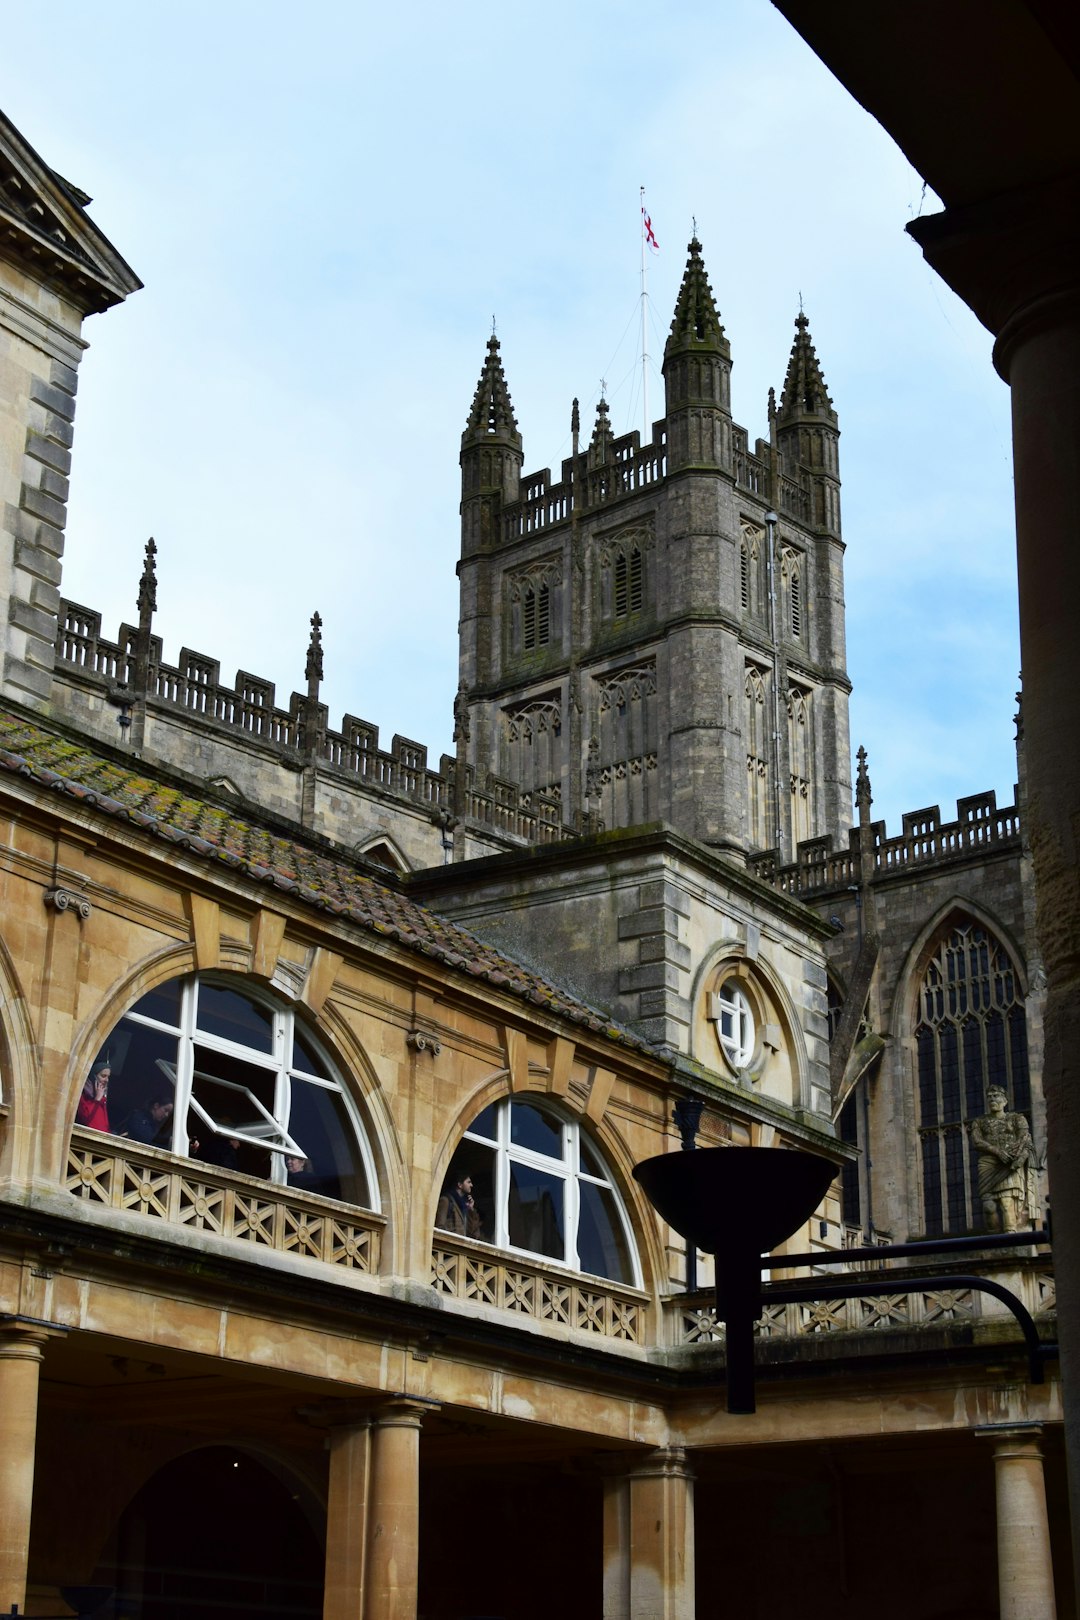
(771, 521)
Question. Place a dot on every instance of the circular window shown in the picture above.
(734, 1024)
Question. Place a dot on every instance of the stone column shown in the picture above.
(1025, 1568)
(661, 1535)
(393, 1537)
(616, 1548)
(347, 1521)
(1012, 259)
(21, 1351)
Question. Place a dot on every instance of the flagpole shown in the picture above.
(644, 331)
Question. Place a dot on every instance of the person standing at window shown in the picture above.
(457, 1210)
(92, 1110)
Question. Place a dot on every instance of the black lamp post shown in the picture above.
(737, 1203)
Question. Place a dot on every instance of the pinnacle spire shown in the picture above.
(696, 324)
(602, 436)
(147, 602)
(804, 392)
(492, 411)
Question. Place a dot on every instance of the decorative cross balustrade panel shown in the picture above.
(486, 1277)
(695, 1322)
(241, 1208)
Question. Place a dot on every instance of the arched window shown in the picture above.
(791, 574)
(755, 736)
(207, 1070)
(540, 1187)
(971, 1033)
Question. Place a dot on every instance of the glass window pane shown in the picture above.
(320, 1124)
(590, 1163)
(529, 1128)
(602, 1245)
(304, 1059)
(536, 1212)
(143, 1084)
(162, 1003)
(233, 1017)
(486, 1124)
(141, 1064)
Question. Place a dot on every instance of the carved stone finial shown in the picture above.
(863, 797)
(592, 770)
(461, 714)
(575, 418)
(147, 600)
(1018, 717)
(313, 669)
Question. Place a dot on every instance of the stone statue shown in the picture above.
(1008, 1169)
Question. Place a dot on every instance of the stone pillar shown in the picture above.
(347, 1522)
(1025, 1568)
(616, 1548)
(393, 1534)
(661, 1538)
(21, 1351)
(1012, 259)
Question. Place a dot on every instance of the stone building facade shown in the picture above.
(257, 1346)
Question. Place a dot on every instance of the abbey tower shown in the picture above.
(659, 635)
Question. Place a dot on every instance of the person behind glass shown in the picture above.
(457, 1210)
(150, 1124)
(92, 1110)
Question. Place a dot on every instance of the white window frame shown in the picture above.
(736, 1027)
(271, 1132)
(568, 1169)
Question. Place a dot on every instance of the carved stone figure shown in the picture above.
(1008, 1180)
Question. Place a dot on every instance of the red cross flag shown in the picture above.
(650, 234)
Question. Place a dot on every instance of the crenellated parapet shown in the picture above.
(821, 865)
(186, 709)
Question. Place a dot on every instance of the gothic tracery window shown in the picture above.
(622, 577)
(755, 737)
(971, 1033)
(541, 1188)
(206, 1069)
(800, 763)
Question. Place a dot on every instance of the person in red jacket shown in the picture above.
(93, 1109)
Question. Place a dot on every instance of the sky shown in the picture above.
(329, 207)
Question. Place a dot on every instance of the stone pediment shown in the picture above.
(44, 228)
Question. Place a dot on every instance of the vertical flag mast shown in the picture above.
(648, 239)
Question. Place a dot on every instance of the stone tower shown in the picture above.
(55, 269)
(659, 635)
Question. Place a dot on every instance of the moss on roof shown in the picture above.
(325, 881)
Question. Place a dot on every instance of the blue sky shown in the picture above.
(327, 217)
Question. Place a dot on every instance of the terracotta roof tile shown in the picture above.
(315, 877)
